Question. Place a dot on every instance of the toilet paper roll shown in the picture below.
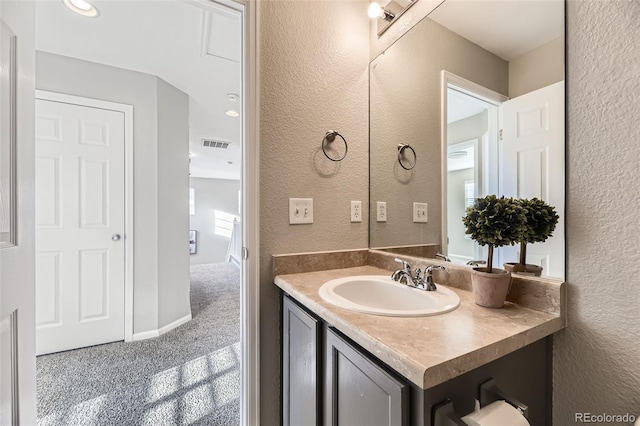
(497, 413)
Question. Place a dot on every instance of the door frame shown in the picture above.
(250, 184)
(128, 233)
(455, 82)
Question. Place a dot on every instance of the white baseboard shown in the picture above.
(150, 334)
(175, 324)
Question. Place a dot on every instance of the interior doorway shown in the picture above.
(470, 147)
(145, 55)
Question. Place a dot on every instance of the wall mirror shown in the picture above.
(476, 89)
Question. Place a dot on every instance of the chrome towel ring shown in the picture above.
(402, 147)
(328, 139)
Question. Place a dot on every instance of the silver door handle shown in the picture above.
(115, 237)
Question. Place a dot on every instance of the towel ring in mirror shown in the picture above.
(402, 147)
(328, 139)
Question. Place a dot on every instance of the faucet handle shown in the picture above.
(431, 268)
(405, 264)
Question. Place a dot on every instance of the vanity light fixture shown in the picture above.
(82, 7)
(377, 11)
(386, 15)
(232, 113)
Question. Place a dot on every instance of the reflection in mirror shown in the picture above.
(477, 88)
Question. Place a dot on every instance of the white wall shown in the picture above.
(174, 285)
(596, 359)
(81, 78)
(212, 195)
(313, 77)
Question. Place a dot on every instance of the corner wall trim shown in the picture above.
(150, 334)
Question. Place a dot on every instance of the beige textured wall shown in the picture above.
(596, 366)
(537, 69)
(405, 108)
(313, 77)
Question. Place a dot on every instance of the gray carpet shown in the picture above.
(188, 376)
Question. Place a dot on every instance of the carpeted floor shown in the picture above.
(188, 376)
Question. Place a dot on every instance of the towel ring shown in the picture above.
(402, 147)
(328, 139)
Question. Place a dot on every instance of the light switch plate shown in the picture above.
(420, 212)
(356, 211)
(300, 211)
(381, 211)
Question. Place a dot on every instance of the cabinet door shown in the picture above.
(359, 392)
(301, 361)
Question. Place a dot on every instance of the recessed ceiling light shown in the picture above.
(232, 113)
(82, 7)
(232, 96)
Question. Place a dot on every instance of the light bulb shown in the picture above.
(375, 11)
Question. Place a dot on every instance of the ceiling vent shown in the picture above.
(210, 143)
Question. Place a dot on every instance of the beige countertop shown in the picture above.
(426, 350)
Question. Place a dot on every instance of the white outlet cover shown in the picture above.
(356, 211)
(300, 211)
(420, 212)
(381, 211)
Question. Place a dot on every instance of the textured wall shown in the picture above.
(313, 77)
(212, 195)
(405, 108)
(596, 366)
(537, 69)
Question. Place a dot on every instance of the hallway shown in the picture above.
(189, 375)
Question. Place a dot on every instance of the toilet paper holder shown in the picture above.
(443, 414)
(489, 392)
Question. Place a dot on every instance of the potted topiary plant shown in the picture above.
(493, 222)
(541, 222)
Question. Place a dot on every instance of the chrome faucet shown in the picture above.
(476, 262)
(443, 257)
(404, 276)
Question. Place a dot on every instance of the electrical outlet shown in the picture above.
(381, 211)
(300, 211)
(356, 211)
(419, 212)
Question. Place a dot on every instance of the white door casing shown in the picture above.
(532, 158)
(80, 225)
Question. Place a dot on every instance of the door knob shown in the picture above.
(115, 237)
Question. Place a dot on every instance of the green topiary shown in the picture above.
(495, 222)
(540, 224)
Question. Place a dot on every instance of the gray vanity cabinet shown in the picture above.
(302, 360)
(358, 391)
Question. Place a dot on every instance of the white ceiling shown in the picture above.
(170, 39)
(460, 106)
(508, 28)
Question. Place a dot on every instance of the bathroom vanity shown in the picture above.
(349, 368)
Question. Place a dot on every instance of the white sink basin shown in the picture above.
(380, 295)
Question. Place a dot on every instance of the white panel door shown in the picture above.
(533, 165)
(79, 226)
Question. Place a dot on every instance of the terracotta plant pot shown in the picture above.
(528, 269)
(490, 289)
